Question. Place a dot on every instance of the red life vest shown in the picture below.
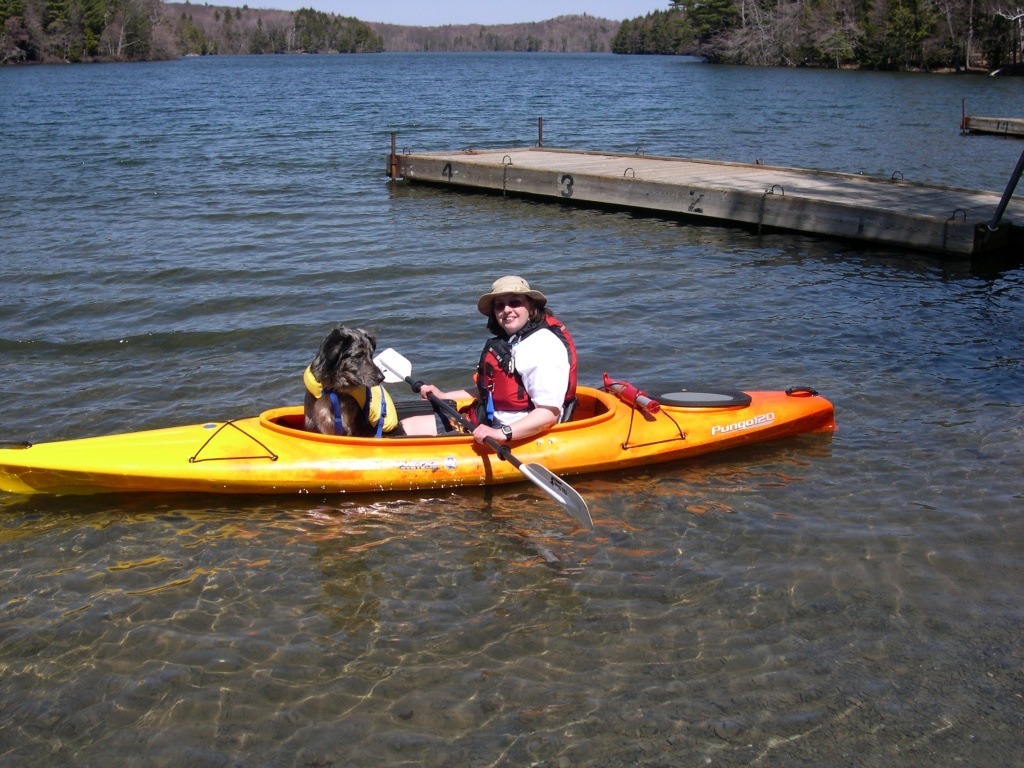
(501, 387)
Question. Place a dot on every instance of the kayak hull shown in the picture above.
(271, 453)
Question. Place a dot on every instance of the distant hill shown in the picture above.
(146, 30)
(219, 29)
(564, 34)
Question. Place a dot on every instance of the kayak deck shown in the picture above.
(272, 453)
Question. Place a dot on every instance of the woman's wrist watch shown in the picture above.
(506, 430)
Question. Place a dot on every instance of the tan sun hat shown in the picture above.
(508, 284)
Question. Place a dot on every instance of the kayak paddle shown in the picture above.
(397, 368)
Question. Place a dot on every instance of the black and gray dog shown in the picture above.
(344, 361)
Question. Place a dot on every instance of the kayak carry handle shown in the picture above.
(801, 392)
(631, 395)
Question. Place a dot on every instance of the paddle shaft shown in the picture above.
(503, 451)
(393, 364)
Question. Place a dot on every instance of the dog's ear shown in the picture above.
(333, 348)
(341, 340)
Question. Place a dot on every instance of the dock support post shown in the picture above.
(393, 160)
(540, 131)
(1007, 194)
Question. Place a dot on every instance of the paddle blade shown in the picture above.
(560, 491)
(394, 367)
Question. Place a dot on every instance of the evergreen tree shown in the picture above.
(708, 18)
(897, 42)
(662, 32)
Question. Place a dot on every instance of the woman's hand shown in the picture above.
(482, 432)
(456, 394)
(429, 389)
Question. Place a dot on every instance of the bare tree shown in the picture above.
(959, 19)
(1015, 16)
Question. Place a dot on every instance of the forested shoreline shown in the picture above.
(931, 35)
(563, 34)
(52, 31)
(56, 31)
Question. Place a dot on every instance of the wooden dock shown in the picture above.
(888, 212)
(1001, 126)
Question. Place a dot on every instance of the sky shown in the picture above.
(433, 13)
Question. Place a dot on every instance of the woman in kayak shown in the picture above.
(526, 379)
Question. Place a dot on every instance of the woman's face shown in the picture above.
(512, 311)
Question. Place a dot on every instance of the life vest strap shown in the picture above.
(336, 410)
(377, 413)
(367, 397)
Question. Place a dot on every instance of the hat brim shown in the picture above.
(486, 302)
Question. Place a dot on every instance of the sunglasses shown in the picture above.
(514, 303)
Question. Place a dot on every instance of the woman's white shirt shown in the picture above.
(542, 361)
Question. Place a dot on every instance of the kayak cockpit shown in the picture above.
(593, 407)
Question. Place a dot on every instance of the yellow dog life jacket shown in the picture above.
(375, 401)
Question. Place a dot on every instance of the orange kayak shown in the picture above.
(272, 453)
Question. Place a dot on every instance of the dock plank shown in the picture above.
(943, 220)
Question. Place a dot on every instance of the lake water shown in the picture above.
(177, 238)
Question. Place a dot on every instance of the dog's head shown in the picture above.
(345, 359)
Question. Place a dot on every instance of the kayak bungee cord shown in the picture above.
(195, 457)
